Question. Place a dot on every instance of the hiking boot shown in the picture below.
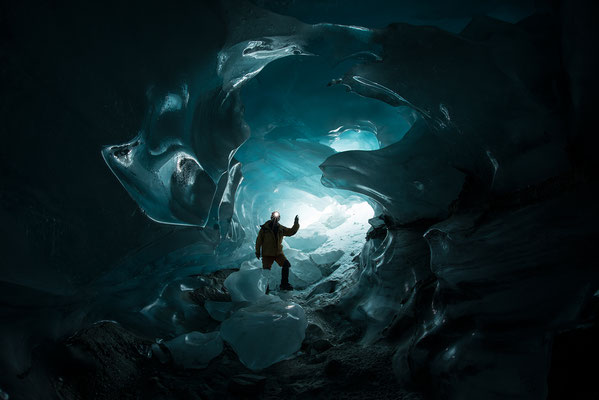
(285, 277)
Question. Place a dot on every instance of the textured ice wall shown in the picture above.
(411, 179)
(479, 97)
(478, 107)
(180, 165)
(504, 275)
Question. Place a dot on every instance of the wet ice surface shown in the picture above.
(265, 332)
(188, 175)
(195, 349)
(246, 285)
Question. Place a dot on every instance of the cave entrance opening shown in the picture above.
(282, 174)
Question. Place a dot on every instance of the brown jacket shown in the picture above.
(271, 244)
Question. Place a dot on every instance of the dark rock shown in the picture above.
(214, 289)
(333, 368)
(321, 345)
(313, 332)
(247, 384)
(102, 358)
(202, 294)
(573, 371)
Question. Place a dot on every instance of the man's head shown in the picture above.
(275, 216)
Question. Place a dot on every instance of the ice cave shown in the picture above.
(279, 199)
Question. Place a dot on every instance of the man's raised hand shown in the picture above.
(297, 219)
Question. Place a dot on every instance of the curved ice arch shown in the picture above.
(483, 109)
(410, 179)
(256, 37)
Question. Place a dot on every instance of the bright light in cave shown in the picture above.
(326, 211)
(327, 222)
(351, 139)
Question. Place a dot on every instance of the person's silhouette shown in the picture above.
(269, 245)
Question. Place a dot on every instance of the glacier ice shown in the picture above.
(415, 178)
(172, 167)
(448, 96)
(195, 349)
(219, 310)
(422, 121)
(303, 271)
(246, 285)
(324, 258)
(352, 139)
(266, 332)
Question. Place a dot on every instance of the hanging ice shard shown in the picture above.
(254, 42)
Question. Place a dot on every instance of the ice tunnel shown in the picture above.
(438, 157)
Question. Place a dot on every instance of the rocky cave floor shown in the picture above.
(106, 361)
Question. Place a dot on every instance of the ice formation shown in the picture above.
(339, 124)
(246, 285)
(415, 179)
(195, 349)
(175, 168)
(268, 331)
(219, 310)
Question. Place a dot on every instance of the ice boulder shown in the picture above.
(303, 271)
(307, 240)
(195, 349)
(218, 310)
(328, 257)
(246, 285)
(265, 332)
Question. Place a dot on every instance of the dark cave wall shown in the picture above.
(579, 38)
(74, 77)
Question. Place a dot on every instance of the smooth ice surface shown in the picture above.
(266, 332)
(351, 139)
(246, 285)
(410, 179)
(219, 310)
(303, 271)
(195, 349)
(328, 257)
(173, 166)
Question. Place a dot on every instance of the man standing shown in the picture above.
(270, 244)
